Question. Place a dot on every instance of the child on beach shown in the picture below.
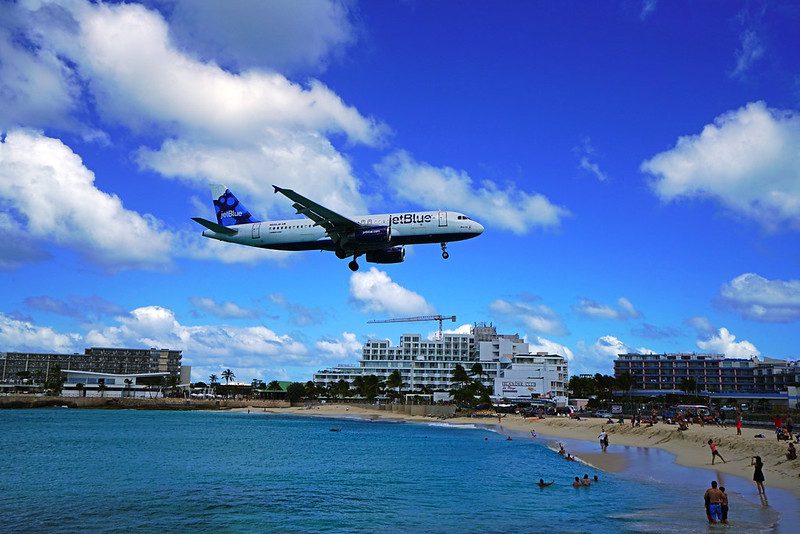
(738, 424)
(715, 452)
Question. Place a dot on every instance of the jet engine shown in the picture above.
(372, 235)
(387, 255)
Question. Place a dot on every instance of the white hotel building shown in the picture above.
(508, 366)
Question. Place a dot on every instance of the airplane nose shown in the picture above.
(478, 228)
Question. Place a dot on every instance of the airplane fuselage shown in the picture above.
(405, 229)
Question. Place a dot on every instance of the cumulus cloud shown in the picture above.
(246, 129)
(47, 189)
(20, 335)
(540, 344)
(623, 311)
(702, 325)
(725, 343)
(538, 318)
(223, 310)
(600, 355)
(758, 298)
(375, 291)
(748, 160)
(280, 34)
(347, 346)
(586, 159)
(438, 187)
(749, 52)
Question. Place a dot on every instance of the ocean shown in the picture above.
(67, 470)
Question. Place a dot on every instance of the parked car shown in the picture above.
(604, 414)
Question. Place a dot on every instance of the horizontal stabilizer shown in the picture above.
(214, 227)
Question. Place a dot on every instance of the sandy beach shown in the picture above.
(689, 447)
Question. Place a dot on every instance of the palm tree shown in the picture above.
(128, 384)
(688, 385)
(228, 375)
(79, 387)
(102, 387)
(173, 381)
(460, 375)
(274, 387)
(477, 370)
(395, 381)
(213, 379)
(311, 390)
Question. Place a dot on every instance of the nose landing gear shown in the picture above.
(353, 265)
(445, 255)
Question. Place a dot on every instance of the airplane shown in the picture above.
(380, 238)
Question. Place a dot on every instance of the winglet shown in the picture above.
(277, 189)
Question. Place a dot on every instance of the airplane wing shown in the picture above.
(214, 227)
(336, 226)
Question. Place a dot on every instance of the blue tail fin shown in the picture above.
(229, 210)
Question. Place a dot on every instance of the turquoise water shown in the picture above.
(100, 470)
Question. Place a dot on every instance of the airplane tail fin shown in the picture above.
(229, 210)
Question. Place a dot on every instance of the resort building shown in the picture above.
(508, 368)
(89, 384)
(713, 374)
(38, 366)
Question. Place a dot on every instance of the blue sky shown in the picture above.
(636, 166)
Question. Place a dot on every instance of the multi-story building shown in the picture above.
(429, 364)
(712, 373)
(95, 359)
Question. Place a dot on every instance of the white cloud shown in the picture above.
(299, 314)
(540, 344)
(702, 325)
(590, 308)
(600, 355)
(463, 329)
(725, 343)
(756, 297)
(246, 129)
(18, 335)
(343, 348)
(448, 188)
(46, 187)
(587, 154)
(750, 51)
(538, 318)
(223, 310)
(280, 34)
(375, 291)
(748, 159)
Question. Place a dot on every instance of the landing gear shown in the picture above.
(341, 254)
(353, 265)
(445, 255)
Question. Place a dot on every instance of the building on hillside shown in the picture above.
(38, 366)
(428, 364)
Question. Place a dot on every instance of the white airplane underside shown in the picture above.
(380, 238)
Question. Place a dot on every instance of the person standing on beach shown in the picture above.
(715, 452)
(758, 474)
(724, 504)
(602, 438)
(714, 498)
(738, 424)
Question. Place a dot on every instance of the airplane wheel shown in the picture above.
(353, 265)
(445, 255)
(341, 254)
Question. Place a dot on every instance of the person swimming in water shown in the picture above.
(586, 481)
(576, 483)
(543, 484)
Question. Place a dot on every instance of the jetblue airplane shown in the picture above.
(380, 238)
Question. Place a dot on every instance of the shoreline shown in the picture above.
(689, 448)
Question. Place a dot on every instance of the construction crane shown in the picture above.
(419, 318)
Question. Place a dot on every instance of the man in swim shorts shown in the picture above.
(714, 502)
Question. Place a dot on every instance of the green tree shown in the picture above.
(311, 390)
(23, 375)
(460, 376)
(80, 387)
(395, 381)
(582, 387)
(228, 375)
(342, 388)
(295, 391)
(477, 370)
(55, 380)
(173, 381)
(688, 385)
(102, 387)
(128, 384)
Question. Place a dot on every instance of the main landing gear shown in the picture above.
(445, 255)
(353, 265)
